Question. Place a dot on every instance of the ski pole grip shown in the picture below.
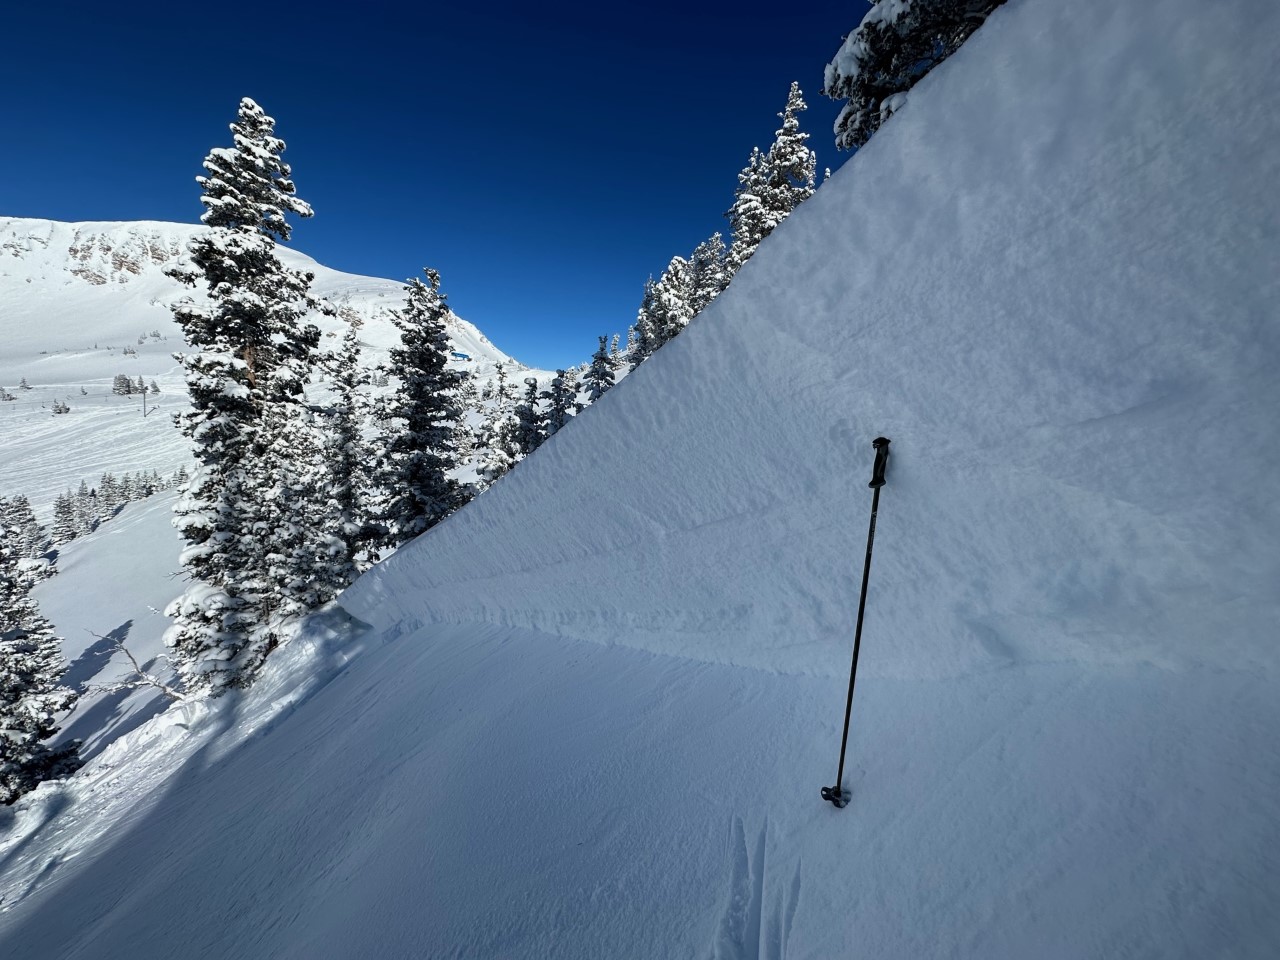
(882, 460)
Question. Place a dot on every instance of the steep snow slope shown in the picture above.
(589, 715)
(73, 296)
(1056, 295)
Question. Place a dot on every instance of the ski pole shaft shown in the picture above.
(857, 635)
(836, 794)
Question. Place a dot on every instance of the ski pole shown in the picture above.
(836, 794)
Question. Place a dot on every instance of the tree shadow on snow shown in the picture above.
(116, 713)
(95, 657)
(94, 889)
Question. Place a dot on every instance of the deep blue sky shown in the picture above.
(546, 159)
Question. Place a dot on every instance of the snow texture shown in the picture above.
(589, 715)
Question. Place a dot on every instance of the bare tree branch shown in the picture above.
(140, 677)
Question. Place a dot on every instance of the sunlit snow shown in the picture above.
(590, 714)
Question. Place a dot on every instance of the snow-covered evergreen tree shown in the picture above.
(469, 400)
(499, 450)
(790, 165)
(250, 351)
(111, 494)
(672, 305)
(300, 568)
(64, 519)
(31, 696)
(709, 273)
(28, 537)
(530, 419)
(897, 43)
(346, 485)
(747, 217)
(642, 339)
(86, 510)
(772, 184)
(423, 418)
(562, 401)
(600, 377)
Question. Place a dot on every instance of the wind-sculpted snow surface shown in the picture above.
(590, 714)
(1052, 283)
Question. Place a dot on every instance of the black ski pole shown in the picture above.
(837, 795)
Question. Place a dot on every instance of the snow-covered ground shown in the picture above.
(589, 715)
(75, 296)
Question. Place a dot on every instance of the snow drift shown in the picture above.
(592, 711)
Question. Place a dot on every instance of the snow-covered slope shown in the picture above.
(74, 296)
(589, 715)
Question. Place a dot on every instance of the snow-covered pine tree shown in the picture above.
(346, 458)
(600, 377)
(29, 540)
(897, 43)
(64, 519)
(111, 495)
(121, 385)
(772, 184)
(469, 401)
(86, 510)
(498, 432)
(562, 400)
(709, 273)
(672, 306)
(746, 216)
(499, 451)
(31, 696)
(616, 358)
(298, 570)
(422, 418)
(530, 420)
(790, 166)
(642, 338)
(249, 352)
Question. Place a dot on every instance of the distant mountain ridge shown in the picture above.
(83, 302)
(131, 256)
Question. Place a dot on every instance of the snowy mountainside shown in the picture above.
(74, 296)
(589, 715)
